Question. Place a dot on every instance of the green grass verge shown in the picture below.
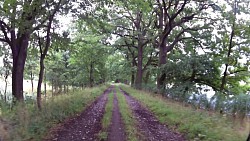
(106, 121)
(127, 117)
(27, 123)
(196, 125)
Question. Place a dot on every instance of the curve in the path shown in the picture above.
(148, 125)
(85, 126)
(116, 132)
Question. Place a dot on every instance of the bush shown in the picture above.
(240, 105)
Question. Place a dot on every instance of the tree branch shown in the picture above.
(179, 11)
(148, 62)
(5, 28)
(125, 35)
(4, 25)
(119, 26)
(3, 40)
(176, 40)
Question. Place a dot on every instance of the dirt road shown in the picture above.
(116, 132)
(87, 125)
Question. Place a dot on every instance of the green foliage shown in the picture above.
(118, 68)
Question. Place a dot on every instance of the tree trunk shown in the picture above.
(162, 50)
(60, 89)
(31, 80)
(56, 86)
(147, 77)
(17, 81)
(138, 81)
(43, 52)
(40, 80)
(91, 74)
(52, 88)
(64, 88)
(5, 89)
(248, 138)
(45, 88)
(133, 72)
(162, 61)
(223, 80)
(132, 79)
(19, 52)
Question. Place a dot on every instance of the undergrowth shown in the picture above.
(106, 121)
(194, 124)
(127, 117)
(26, 122)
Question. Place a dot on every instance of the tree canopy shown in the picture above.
(175, 48)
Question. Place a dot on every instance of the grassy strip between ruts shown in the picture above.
(26, 122)
(196, 125)
(106, 121)
(127, 117)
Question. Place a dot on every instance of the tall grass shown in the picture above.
(196, 125)
(26, 122)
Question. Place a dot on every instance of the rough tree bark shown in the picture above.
(248, 138)
(133, 72)
(31, 80)
(52, 88)
(5, 89)
(139, 73)
(45, 84)
(40, 79)
(147, 76)
(142, 42)
(162, 60)
(6, 75)
(19, 52)
(64, 88)
(91, 71)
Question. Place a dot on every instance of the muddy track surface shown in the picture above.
(116, 132)
(85, 126)
(148, 125)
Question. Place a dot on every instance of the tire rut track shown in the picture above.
(85, 126)
(148, 125)
(116, 132)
